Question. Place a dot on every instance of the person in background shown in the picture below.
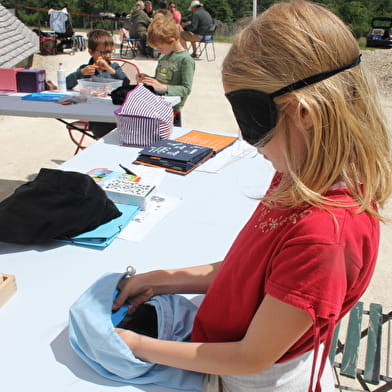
(163, 8)
(139, 22)
(175, 12)
(148, 9)
(308, 252)
(175, 69)
(100, 46)
(199, 25)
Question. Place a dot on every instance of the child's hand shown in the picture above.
(50, 85)
(130, 338)
(101, 63)
(139, 77)
(89, 70)
(154, 83)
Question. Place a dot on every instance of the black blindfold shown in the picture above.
(256, 112)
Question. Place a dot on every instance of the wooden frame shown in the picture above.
(7, 287)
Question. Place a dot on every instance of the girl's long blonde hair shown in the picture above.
(350, 139)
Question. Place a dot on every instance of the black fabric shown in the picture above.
(119, 94)
(255, 112)
(100, 129)
(177, 121)
(143, 321)
(56, 204)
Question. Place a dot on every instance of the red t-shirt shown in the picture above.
(302, 257)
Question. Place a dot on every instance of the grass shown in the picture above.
(223, 38)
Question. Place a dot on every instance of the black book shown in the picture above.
(174, 156)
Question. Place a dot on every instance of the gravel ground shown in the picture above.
(379, 63)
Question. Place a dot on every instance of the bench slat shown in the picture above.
(334, 344)
(373, 349)
(350, 352)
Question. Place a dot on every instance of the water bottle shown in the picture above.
(61, 85)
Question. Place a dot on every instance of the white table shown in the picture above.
(34, 350)
(101, 110)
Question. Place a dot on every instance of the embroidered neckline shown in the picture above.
(266, 224)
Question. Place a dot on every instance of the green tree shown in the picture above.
(219, 9)
(356, 13)
(264, 4)
(241, 8)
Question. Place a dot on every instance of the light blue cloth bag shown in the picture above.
(92, 336)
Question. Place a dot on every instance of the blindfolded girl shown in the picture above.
(307, 254)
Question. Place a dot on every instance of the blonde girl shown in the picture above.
(301, 96)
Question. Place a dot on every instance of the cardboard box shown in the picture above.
(7, 287)
(8, 79)
(31, 80)
(125, 192)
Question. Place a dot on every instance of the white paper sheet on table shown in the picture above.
(149, 175)
(240, 149)
(158, 206)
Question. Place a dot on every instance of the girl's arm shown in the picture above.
(141, 287)
(275, 327)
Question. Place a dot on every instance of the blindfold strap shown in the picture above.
(315, 78)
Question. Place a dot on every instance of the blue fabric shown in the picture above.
(92, 336)
(57, 21)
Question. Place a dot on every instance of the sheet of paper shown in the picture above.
(237, 151)
(158, 206)
(149, 175)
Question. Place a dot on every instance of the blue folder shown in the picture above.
(103, 235)
(46, 97)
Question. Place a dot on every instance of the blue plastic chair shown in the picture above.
(207, 40)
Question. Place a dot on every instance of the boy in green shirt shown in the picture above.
(175, 69)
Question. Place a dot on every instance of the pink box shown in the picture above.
(31, 80)
(8, 79)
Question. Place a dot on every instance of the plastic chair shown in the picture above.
(79, 129)
(365, 355)
(131, 45)
(130, 69)
(207, 39)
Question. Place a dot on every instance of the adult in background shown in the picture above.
(163, 9)
(148, 9)
(198, 26)
(139, 22)
(175, 12)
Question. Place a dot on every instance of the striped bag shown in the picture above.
(144, 118)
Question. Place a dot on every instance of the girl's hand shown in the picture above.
(135, 290)
(141, 287)
(130, 338)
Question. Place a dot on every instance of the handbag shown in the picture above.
(144, 118)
